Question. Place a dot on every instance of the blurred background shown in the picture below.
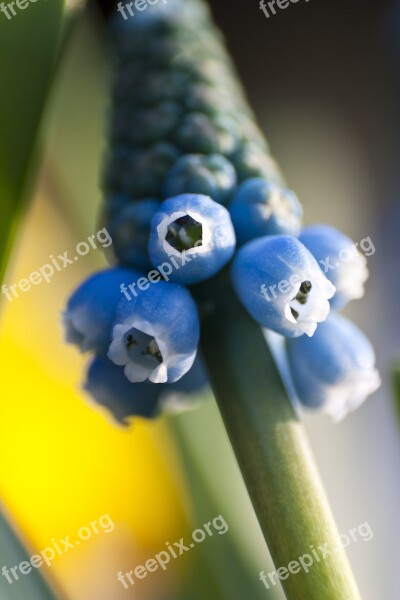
(323, 78)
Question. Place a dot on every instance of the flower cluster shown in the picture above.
(189, 181)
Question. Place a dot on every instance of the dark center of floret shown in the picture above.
(153, 350)
(142, 348)
(184, 233)
(301, 296)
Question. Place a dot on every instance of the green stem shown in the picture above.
(272, 451)
(224, 572)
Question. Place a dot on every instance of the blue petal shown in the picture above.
(187, 393)
(194, 381)
(268, 275)
(91, 309)
(202, 260)
(156, 333)
(339, 260)
(334, 371)
(260, 208)
(107, 384)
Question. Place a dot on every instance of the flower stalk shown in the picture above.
(272, 450)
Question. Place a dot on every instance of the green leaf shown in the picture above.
(396, 384)
(12, 553)
(29, 45)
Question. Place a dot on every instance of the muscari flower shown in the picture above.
(130, 230)
(107, 384)
(334, 371)
(260, 208)
(340, 261)
(195, 234)
(281, 285)
(211, 175)
(155, 333)
(91, 309)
